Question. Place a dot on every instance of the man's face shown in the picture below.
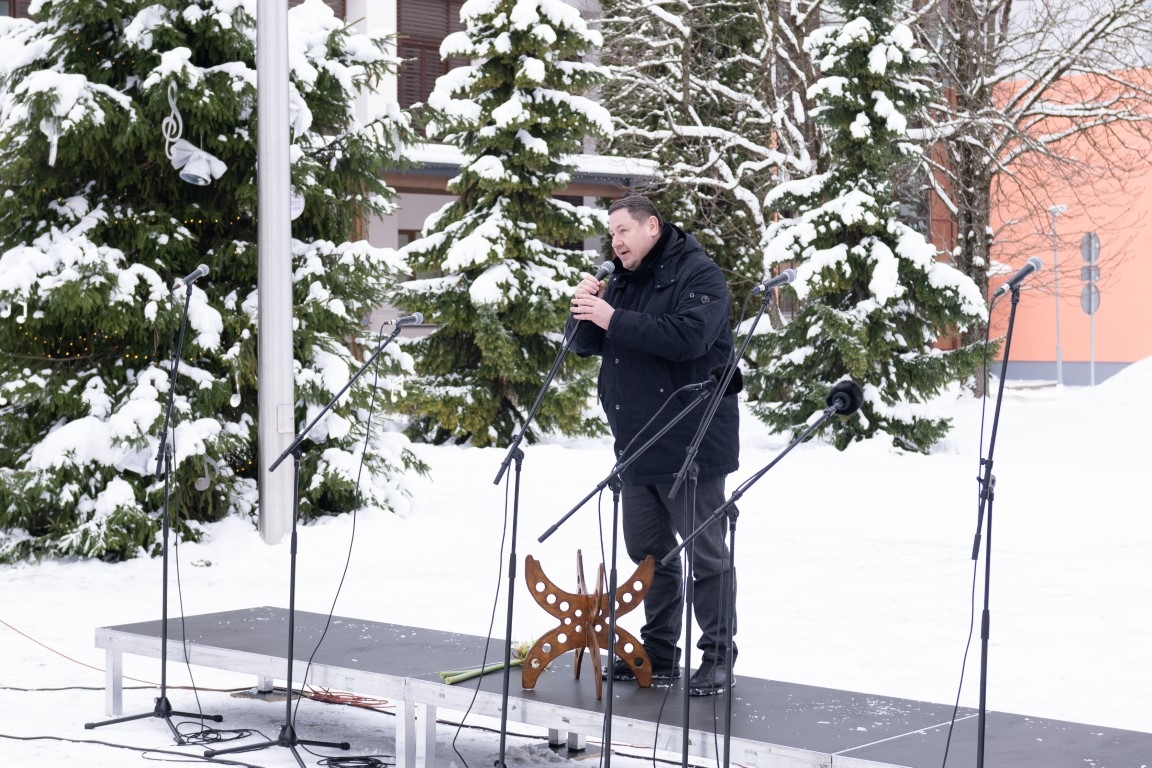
(632, 239)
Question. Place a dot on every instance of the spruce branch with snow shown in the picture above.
(95, 224)
(495, 268)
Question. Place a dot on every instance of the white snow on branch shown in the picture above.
(76, 99)
(671, 19)
(894, 120)
(531, 69)
(532, 143)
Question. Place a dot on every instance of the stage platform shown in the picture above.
(774, 724)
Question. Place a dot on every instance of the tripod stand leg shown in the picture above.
(164, 711)
(287, 739)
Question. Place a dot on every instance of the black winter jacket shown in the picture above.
(669, 329)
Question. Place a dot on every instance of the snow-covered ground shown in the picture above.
(855, 572)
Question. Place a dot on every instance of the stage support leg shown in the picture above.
(415, 735)
(406, 735)
(113, 683)
(575, 742)
(426, 734)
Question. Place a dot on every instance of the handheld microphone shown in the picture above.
(845, 397)
(1032, 265)
(196, 274)
(605, 269)
(783, 278)
(413, 319)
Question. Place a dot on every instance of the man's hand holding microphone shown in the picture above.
(587, 303)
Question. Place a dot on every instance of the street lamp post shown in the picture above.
(1055, 211)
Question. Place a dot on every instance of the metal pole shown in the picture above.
(276, 422)
(1055, 211)
(1092, 349)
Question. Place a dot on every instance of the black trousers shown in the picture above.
(651, 523)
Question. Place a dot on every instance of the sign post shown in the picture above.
(1090, 296)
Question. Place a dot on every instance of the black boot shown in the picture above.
(711, 678)
(662, 669)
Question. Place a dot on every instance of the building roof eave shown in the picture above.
(433, 165)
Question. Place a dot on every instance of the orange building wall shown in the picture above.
(1120, 213)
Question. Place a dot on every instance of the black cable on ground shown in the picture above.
(367, 761)
(213, 735)
(74, 688)
(143, 751)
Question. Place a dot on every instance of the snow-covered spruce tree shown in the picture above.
(875, 297)
(94, 226)
(691, 90)
(517, 114)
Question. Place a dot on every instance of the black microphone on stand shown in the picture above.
(197, 273)
(783, 278)
(413, 319)
(845, 398)
(1032, 265)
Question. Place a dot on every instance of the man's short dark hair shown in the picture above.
(638, 206)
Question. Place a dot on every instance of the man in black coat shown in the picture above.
(661, 323)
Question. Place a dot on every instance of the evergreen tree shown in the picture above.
(875, 296)
(517, 114)
(95, 224)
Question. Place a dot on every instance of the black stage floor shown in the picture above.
(845, 725)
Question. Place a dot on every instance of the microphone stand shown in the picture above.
(689, 468)
(163, 708)
(613, 480)
(728, 508)
(287, 737)
(706, 419)
(987, 482)
(516, 454)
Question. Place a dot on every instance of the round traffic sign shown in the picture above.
(1090, 299)
(1090, 247)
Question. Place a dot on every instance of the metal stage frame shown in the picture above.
(774, 724)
